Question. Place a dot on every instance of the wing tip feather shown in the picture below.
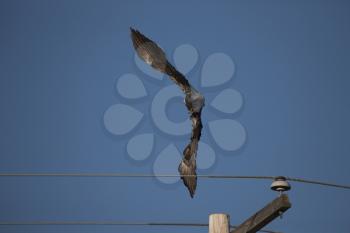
(189, 177)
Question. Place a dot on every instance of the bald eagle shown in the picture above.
(150, 52)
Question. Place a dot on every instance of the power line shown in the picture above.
(130, 175)
(318, 183)
(113, 223)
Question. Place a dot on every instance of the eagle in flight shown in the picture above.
(153, 55)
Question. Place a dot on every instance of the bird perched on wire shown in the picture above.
(153, 55)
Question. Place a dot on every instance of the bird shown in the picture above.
(154, 56)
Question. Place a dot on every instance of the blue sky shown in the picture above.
(59, 64)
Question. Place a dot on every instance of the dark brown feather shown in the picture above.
(152, 54)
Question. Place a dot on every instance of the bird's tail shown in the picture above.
(187, 170)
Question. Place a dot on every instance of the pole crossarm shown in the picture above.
(264, 216)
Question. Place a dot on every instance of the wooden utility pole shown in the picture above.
(219, 223)
(264, 216)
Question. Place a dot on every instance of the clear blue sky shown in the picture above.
(59, 64)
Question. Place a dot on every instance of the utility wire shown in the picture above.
(130, 175)
(114, 223)
(318, 183)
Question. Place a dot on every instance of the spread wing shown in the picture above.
(153, 55)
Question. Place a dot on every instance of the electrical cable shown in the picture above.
(113, 223)
(129, 175)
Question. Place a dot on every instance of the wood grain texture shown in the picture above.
(219, 223)
(264, 216)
